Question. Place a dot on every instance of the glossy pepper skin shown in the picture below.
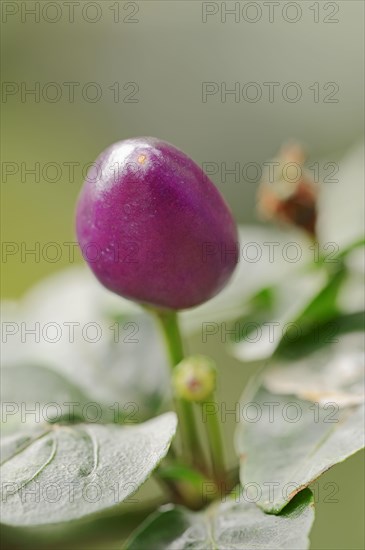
(153, 227)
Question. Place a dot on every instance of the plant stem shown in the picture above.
(191, 445)
(215, 443)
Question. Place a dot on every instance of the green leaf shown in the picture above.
(33, 393)
(298, 301)
(300, 418)
(181, 473)
(263, 261)
(341, 204)
(105, 345)
(351, 298)
(321, 335)
(58, 473)
(235, 524)
(297, 308)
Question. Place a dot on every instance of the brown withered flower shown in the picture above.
(287, 193)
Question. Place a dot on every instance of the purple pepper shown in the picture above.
(153, 227)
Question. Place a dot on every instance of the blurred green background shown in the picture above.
(166, 50)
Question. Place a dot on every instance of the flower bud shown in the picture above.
(194, 379)
(153, 227)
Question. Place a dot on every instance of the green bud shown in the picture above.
(194, 379)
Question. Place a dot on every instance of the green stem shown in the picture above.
(191, 445)
(215, 444)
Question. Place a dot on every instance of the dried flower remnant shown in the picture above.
(287, 193)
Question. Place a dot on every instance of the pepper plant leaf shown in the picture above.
(106, 346)
(235, 524)
(299, 418)
(56, 473)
